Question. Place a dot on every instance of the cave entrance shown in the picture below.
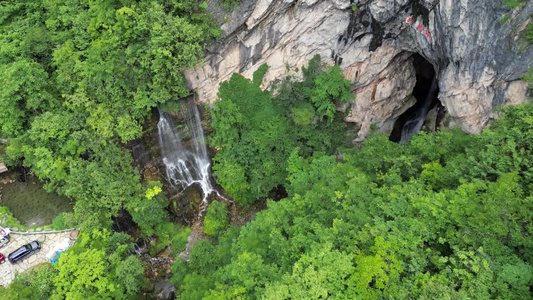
(427, 109)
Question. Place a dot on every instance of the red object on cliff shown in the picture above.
(409, 20)
(427, 34)
(420, 27)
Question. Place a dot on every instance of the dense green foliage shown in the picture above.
(35, 284)
(98, 266)
(252, 137)
(170, 234)
(255, 132)
(447, 216)
(59, 222)
(80, 77)
(216, 219)
(309, 105)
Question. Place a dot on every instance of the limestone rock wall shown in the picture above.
(477, 59)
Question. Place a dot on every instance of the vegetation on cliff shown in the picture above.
(255, 130)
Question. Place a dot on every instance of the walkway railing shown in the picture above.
(41, 232)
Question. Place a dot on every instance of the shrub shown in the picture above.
(512, 3)
(230, 4)
(179, 242)
(10, 221)
(36, 283)
(216, 219)
(505, 19)
(528, 77)
(529, 34)
(59, 222)
(168, 234)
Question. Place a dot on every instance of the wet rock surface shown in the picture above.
(477, 59)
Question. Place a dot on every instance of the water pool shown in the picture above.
(31, 204)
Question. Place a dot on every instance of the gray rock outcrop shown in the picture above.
(477, 57)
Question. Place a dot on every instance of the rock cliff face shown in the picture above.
(477, 59)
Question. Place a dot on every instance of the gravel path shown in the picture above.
(48, 242)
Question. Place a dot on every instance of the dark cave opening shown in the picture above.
(426, 92)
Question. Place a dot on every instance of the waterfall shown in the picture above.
(185, 157)
(414, 124)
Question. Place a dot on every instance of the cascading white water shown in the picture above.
(414, 124)
(185, 165)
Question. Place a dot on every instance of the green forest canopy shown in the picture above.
(447, 216)
(255, 132)
(79, 78)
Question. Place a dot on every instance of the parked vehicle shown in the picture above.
(4, 241)
(24, 252)
(2, 258)
(4, 232)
